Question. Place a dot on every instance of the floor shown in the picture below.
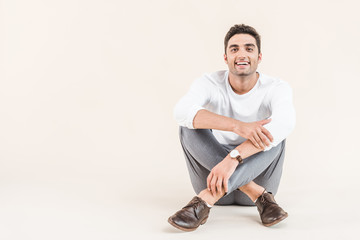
(90, 208)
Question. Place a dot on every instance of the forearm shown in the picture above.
(246, 149)
(224, 169)
(205, 119)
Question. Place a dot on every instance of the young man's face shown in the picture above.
(242, 55)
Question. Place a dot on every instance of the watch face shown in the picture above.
(234, 153)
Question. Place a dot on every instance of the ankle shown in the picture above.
(258, 196)
(207, 197)
(253, 191)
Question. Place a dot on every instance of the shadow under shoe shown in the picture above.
(270, 212)
(190, 217)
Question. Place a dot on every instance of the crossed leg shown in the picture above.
(258, 172)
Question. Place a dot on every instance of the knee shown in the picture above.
(186, 134)
(184, 131)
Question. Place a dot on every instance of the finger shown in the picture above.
(265, 121)
(252, 139)
(258, 140)
(225, 183)
(263, 138)
(262, 144)
(219, 185)
(208, 180)
(267, 133)
(213, 186)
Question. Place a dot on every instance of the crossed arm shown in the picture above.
(258, 138)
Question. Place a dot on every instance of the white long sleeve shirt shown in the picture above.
(269, 98)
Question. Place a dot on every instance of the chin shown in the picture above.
(243, 74)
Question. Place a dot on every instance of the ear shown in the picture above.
(260, 57)
(225, 58)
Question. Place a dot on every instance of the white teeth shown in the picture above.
(242, 63)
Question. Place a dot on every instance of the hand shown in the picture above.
(217, 181)
(255, 132)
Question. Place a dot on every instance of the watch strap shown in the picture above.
(239, 158)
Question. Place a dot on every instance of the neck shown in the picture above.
(242, 84)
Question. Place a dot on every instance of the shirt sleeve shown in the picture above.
(282, 113)
(194, 100)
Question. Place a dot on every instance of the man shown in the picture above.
(233, 126)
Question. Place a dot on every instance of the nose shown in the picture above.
(241, 53)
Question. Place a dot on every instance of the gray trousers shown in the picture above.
(202, 152)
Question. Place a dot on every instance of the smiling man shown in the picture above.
(233, 126)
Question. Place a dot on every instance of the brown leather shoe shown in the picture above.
(270, 212)
(190, 217)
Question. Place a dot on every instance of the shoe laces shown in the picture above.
(194, 204)
(264, 200)
(262, 197)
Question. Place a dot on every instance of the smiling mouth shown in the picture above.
(242, 63)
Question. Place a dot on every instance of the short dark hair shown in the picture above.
(242, 29)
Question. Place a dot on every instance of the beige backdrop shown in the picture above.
(88, 145)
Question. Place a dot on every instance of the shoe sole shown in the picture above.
(185, 229)
(276, 221)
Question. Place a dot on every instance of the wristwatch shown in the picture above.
(235, 154)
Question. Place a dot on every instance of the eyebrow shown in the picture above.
(246, 44)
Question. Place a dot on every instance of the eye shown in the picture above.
(233, 50)
(250, 49)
